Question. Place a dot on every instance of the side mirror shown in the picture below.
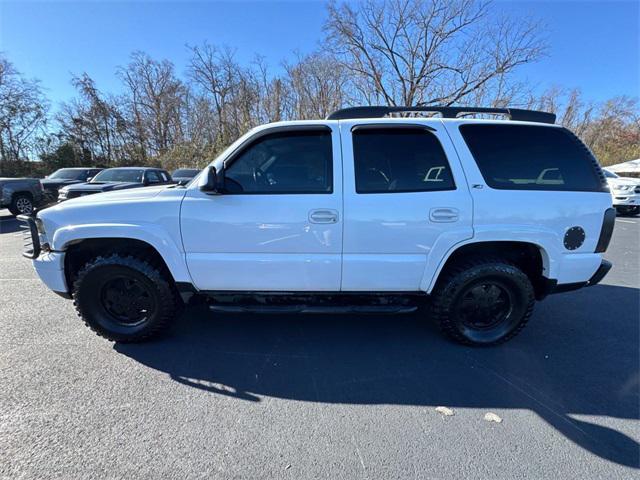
(211, 182)
(89, 179)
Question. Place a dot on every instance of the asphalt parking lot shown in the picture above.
(265, 396)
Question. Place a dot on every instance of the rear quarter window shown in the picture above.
(524, 157)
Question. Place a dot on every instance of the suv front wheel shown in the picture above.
(123, 298)
(483, 301)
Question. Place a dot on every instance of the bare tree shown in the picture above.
(316, 86)
(23, 113)
(423, 52)
(93, 123)
(154, 100)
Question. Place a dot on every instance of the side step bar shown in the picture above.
(328, 309)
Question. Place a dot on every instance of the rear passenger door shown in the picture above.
(406, 203)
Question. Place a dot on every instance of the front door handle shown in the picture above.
(323, 216)
(444, 214)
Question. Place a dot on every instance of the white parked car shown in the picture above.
(625, 193)
(469, 220)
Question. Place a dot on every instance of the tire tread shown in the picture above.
(167, 306)
(446, 291)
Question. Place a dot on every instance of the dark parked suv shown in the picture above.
(117, 179)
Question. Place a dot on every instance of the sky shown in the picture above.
(594, 45)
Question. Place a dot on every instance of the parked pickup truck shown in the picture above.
(65, 177)
(21, 195)
(451, 216)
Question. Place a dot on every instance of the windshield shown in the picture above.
(68, 174)
(609, 174)
(118, 175)
(185, 172)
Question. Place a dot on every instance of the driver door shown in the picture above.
(278, 224)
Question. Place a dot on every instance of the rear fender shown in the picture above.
(543, 239)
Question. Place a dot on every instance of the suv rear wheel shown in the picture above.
(21, 204)
(483, 302)
(123, 298)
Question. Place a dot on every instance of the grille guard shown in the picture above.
(30, 237)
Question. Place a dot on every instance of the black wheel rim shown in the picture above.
(128, 301)
(485, 305)
(485, 310)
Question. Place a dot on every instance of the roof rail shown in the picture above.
(446, 112)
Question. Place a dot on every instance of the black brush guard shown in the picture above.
(31, 239)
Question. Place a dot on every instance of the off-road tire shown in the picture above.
(457, 281)
(21, 204)
(89, 289)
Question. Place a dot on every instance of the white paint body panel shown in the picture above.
(389, 237)
(264, 242)
(50, 268)
(150, 214)
(538, 217)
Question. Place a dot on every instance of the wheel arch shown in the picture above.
(83, 242)
(530, 257)
(25, 193)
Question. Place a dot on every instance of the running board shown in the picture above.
(329, 309)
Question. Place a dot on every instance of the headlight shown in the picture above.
(39, 226)
(623, 188)
(42, 236)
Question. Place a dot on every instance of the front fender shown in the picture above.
(170, 249)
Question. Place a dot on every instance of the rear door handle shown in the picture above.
(323, 216)
(444, 214)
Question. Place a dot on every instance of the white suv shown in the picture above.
(625, 193)
(469, 220)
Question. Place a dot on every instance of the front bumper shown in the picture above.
(48, 265)
(50, 268)
(625, 200)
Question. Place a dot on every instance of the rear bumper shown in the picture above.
(552, 286)
(604, 268)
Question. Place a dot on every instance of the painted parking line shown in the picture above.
(626, 221)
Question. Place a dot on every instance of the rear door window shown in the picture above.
(524, 157)
(393, 160)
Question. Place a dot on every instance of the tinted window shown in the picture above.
(153, 177)
(118, 175)
(291, 162)
(522, 157)
(68, 174)
(399, 160)
(185, 173)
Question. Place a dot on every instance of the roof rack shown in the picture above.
(446, 112)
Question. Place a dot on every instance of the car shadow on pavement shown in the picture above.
(8, 223)
(579, 357)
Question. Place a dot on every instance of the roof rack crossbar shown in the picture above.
(446, 112)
